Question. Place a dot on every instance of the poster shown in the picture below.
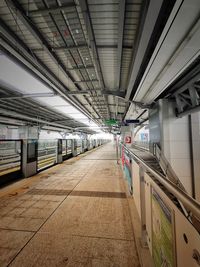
(162, 233)
(127, 170)
(144, 137)
(123, 157)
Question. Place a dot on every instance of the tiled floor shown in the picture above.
(76, 215)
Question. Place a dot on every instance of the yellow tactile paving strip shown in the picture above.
(74, 214)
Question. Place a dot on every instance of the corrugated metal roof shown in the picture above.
(56, 34)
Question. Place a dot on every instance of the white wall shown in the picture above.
(175, 143)
(138, 136)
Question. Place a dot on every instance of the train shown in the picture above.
(11, 154)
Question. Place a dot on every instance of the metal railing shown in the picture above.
(192, 206)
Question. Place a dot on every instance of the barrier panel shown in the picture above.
(172, 238)
(47, 153)
(10, 160)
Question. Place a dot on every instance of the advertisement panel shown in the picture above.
(162, 233)
(127, 170)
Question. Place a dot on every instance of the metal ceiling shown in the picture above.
(80, 48)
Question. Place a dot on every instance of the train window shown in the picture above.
(31, 151)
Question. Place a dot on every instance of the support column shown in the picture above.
(29, 157)
(59, 151)
(29, 149)
(195, 135)
(154, 127)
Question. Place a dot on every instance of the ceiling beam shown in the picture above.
(91, 67)
(80, 46)
(79, 93)
(86, 81)
(62, 48)
(23, 56)
(92, 41)
(37, 34)
(44, 11)
(121, 15)
(113, 93)
(27, 96)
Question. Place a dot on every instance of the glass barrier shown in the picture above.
(47, 153)
(69, 147)
(173, 237)
(78, 143)
(64, 147)
(10, 157)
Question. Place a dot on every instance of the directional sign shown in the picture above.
(110, 122)
(132, 121)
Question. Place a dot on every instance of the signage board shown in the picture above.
(131, 121)
(111, 122)
(128, 139)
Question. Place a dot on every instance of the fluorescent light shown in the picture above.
(20, 80)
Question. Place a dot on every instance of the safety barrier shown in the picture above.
(10, 160)
(172, 238)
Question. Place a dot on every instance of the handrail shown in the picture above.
(191, 204)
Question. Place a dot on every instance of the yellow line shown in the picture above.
(10, 170)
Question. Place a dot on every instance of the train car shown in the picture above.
(10, 160)
(47, 154)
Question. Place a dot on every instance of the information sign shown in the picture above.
(128, 139)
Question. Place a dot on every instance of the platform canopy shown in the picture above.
(70, 64)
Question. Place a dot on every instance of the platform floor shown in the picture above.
(74, 214)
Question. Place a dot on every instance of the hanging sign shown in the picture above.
(131, 121)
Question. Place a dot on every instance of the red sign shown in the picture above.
(128, 139)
